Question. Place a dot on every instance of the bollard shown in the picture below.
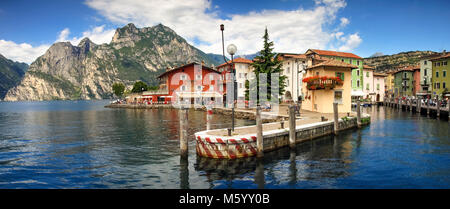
(418, 105)
(438, 108)
(292, 135)
(336, 118)
(183, 112)
(410, 105)
(208, 118)
(358, 113)
(428, 107)
(259, 133)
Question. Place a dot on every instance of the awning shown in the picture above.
(358, 93)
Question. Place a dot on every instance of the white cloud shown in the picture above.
(23, 52)
(344, 22)
(292, 31)
(350, 42)
(63, 35)
(27, 53)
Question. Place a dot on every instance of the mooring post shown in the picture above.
(438, 109)
(428, 107)
(208, 117)
(418, 105)
(292, 135)
(336, 118)
(358, 113)
(411, 105)
(259, 133)
(183, 115)
(448, 109)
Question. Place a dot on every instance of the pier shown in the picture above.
(416, 106)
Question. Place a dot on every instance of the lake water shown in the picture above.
(81, 144)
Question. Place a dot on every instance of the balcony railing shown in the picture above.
(317, 83)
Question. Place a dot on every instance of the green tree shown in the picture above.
(267, 62)
(247, 90)
(118, 89)
(139, 87)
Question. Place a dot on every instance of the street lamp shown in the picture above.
(231, 49)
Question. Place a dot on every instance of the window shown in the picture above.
(183, 77)
(444, 73)
(211, 77)
(443, 85)
(198, 77)
(287, 82)
(438, 64)
(438, 85)
(199, 88)
(425, 71)
(245, 75)
(437, 74)
(338, 96)
(240, 85)
(378, 86)
(444, 63)
(357, 72)
(357, 62)
(425, 62)
(367, 87)
(357, 83)
(288, 70)
(183, 88)
(367, 74)
(340, 75)
(342, 60)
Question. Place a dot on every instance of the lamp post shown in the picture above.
(231, 49)
(300, 83)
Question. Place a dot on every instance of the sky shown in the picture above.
(363, 27)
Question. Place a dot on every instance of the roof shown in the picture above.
(186, 65)
(408, 68)
(333, 63)
(380, 74)
(237, 60)
(431, 56)
(367, 67)
(334, 53)
(445, 56)
(290, 55)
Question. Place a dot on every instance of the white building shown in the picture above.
(379, 86)
(369, 84)
(243, 70)
(293, 65)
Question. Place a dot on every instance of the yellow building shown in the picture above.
(389, 82)
(327, 81)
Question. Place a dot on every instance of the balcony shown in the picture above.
(324, 82)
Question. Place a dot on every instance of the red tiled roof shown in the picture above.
(380, 74)
(237, 60)
(186, 65)
(368, 67)
(334, 53)
(447, 55)
(288, 55)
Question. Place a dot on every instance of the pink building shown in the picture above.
(416, 76)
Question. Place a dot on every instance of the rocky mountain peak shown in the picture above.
(86, 45)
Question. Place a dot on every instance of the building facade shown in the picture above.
(440, 79)
(293, 66)
(350, 58)
(404, 83)
(426, 74)
(379, 86)
(327, 81)
(244, 71)
(369, 83)
(191, 83)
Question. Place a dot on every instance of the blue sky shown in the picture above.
(359, 26)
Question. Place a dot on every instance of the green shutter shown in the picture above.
(340, 75)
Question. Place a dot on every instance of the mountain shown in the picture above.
(386, 62)
(10, 74)
(87, 71)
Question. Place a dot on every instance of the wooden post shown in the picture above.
(438, 109)
(259, 133)
(428, 107)
(448, 109)
(358, 113)
(208, 117)
(410, 105)
(183, 115)
(292, 135)
(418, 106)
(336, 118)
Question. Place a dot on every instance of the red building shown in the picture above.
(416, 76)
(193, 81)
